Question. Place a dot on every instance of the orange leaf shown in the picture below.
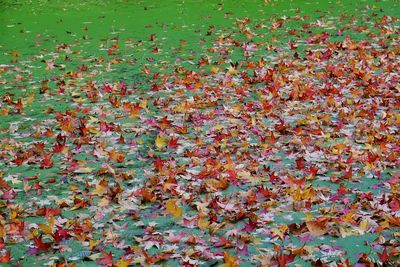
(117, 156)
(5, 258)
(230, 261)
(101, 188)
(317, 227)
(216, 185)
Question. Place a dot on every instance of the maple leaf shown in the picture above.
(48, 212)
(266, 193)
(123, 262)
(229, 261)
(104, 126)
(18, 161)
(203, 223)
(121, 139)
(293, 181)
(40, 244)
(2, 243)
(6, 257)
(284, 259)
(48, 228)
(67, 125)
(384, 256)
(272, 177)
(46, 163)
(161, 141)
(159, 163)
(156, 258)
(175, 238)
(93, 243)
(348, 174)
(107, 259)
(217, 184)
(394, 205)
(173, 143)
(147, 195)
(117, 155)
(9, 194)
(300, 163)
(317, 227)
(173, 208)
(60, 234)
(101, 188)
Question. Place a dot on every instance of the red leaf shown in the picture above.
(300, 163)
(9, 194)
(348, 174)
(106, 260)
(121, 139)
(2, 244)
(173, 143)
(48, 212)
(272, 177)
(60, 234)
(18, 161)
(159, 163)
(46, 162)
(266, 193)
(40, 245)
(383, 256)
(394, 205)
(5, 258)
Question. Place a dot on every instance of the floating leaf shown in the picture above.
(173, 208)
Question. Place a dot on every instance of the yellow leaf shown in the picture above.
(13, 214)
(48, 228)
(84, 170)
(217, 185)
(309, 216)
(15, 53)
(143, 104)
(364, 225)
(35, 232)
(122, 263)
(246, 175)
(347, 232)
(173, 208)
(101, 188)
(277, 232)
(214, 69)
(384, 224)
(232, 71)
(237, 108)
(92, 130)
(230, 261)
(95, 256)
(31, 98)
(161, 141)
(368, 166)
(104, 202)
(397, 118)
(117, 155)
(257, 241)
(218, 127)
(93, 243)
(3, 232)
(203, 223)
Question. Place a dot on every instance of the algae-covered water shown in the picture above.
(199, 133)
